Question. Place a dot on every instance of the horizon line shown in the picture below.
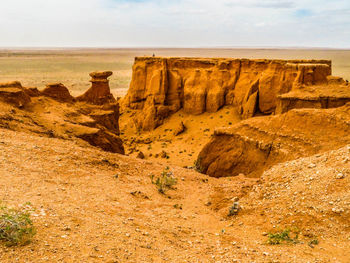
(167, 47)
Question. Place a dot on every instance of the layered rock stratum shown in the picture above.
(162, 86)
(53, 112)
(254, 145)
(99, 93)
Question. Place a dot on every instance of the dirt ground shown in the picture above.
(183, 149)
(93, 206)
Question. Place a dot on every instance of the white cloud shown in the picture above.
(175, 23)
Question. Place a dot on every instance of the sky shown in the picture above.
(175, 23)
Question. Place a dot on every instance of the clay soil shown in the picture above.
(93, 206)
(162, 144)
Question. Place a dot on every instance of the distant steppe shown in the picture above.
(36, 68)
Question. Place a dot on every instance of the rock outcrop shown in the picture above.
(58, 92)
(333, 95)
(103, 139)
(48, 113)
(254, 145)
(161, 86)
(99, 93)
(13, 93)
(107, 118)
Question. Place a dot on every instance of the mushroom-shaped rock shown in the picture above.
(58, 92)
(99, 93)
(14, 93)
(101, 75)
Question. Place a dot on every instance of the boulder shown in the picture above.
(180, 129)
(140, 155)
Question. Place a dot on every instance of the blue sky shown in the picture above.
(175, 23)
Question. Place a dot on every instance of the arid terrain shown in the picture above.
(37, 67)
(253, 145)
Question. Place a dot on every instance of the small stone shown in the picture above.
(312, 165)
(140, 155)
(340, 176)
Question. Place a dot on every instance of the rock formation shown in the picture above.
(45, 114)
(99, 93)
(335, 94)
(254, 145)
(58, 92)
(13, 93)
(161, 86)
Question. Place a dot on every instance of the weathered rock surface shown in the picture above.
(103, 139)
(108, 118)
(33, 92)
(46, 115)
(14, 93)
(180, 129)
(161, 86)
(254, 145)
(319, 97)
(99, 93)
(58, 92)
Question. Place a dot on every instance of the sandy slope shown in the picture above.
(85, 214)
(183, 149)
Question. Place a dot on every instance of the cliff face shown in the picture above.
(161, 86)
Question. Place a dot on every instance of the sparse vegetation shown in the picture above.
(165, 181)
(313, 242)
(16, 227)
(283, 237)
(234, 209)
(178, 206)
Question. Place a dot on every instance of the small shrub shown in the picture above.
(283, 236)
(165, 181)
(234, 209)
(178, 206)
(16, 227)
(313, 242)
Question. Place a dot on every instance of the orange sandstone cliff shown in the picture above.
(162, 86)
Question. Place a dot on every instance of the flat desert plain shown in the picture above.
(36, 68)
